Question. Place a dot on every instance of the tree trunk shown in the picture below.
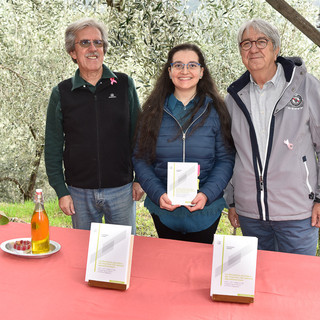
(29, 192)
(28, 195)
(296, 19)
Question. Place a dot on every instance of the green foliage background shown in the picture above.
(33, 60)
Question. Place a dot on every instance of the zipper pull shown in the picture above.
(261, 183)
(183, 146)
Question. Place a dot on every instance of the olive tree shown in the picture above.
(34, 60)
(141, 32)
(31, 61)
(216, 24)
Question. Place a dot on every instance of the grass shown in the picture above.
(22, 212)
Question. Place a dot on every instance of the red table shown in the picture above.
(169, 280)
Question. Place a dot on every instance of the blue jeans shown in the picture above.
(291, 236)
(114, 204)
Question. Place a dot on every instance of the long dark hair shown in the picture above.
(152, 110)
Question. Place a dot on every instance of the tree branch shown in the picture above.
(33, 176)
(33, 133)
(116, 4)
(15, 181)
(19, 76)
(296, 19)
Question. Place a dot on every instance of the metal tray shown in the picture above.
(7, 246)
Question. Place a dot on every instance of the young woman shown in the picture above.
(184, 120)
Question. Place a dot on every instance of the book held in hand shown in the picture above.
(182, 183)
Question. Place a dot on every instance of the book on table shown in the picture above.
(109, 256)
(233, 268)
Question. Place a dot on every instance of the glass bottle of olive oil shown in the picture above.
(39, 226)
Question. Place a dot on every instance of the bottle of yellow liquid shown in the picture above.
(39, 226)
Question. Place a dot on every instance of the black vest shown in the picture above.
(97, 151)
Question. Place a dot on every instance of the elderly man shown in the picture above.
(91, 119)
(275, 111)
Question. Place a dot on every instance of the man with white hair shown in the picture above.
(275, 111)
(90, 124)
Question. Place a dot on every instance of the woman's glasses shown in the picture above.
(189, 65)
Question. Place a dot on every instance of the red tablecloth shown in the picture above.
(169, 280)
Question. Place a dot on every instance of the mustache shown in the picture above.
(92, 54)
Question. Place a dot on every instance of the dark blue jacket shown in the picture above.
(205, 146)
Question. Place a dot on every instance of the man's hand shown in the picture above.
(66, 205)
(233, 218)
(315, 218)
(165, 203)
(199, 202)
(137, 191)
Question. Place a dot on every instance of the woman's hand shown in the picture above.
(165, 203)
(199, 202)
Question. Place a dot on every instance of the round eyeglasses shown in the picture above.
(260, 43)
(180, 66)
(87, 43)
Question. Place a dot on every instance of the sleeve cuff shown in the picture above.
(316, 200)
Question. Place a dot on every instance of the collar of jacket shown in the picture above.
(202, 108)
(78, 81)
(288, 65)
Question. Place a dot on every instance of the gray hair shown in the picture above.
(263, 27)
(73, 28)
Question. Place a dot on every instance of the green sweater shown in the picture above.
(54, 136)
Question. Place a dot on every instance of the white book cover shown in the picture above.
(234, 266)
(109, 253)
(182, 183)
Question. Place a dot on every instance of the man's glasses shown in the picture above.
(87, 43)
(189, 65)
(261, 43)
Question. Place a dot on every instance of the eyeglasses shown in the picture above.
(189, 65)
(87, 43)
(261, 43)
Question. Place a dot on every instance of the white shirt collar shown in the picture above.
(275, 79)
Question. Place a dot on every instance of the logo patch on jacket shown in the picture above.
(112, 96)
(296, 102)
